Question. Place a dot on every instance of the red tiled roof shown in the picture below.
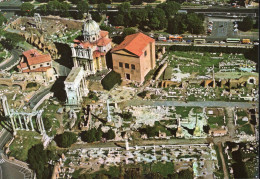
(41, 69)
(22, 65)
(103, 41)
(134, 43)
(34, 57)
(103, 33)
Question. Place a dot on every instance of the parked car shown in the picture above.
(169, 40)
(188, 41)
(190, 36)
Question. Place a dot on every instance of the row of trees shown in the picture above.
(94, 134)
(66, 139)
(164, 16)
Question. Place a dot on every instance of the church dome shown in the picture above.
(90, 27)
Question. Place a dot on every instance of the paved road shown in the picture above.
(15, 59)
(138, 102)
(37, 97)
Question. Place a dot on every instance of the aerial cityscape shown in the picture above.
(129, 89)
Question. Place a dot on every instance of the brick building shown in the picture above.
(36, 66)
(134, 57)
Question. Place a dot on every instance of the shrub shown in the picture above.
(92, 95)
(109, 135)
(110, 80)
(66, 139)
(142, 94)
(31, 85)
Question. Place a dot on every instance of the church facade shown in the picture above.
(89, 52)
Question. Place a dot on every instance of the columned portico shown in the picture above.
(75, 86)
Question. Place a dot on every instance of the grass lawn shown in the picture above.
(246, 128)
(184, 111)
(212, 121)
(20, 146)
(241, 113)
(163, 169)
(240, 122)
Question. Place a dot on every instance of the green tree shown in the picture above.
(47, 123)
(106, 28)
(123, 8)
(194, 24)
(136, 2)
(128, 31)
(27, 9)
(170, 8)
(246, 24)
(158, 19)
(110, 80)
(102, 8)
(139, 17)
(177, 25)
(2, 19)
(110, 134)
(37, 158)
(89, 136)
(66, 139)
(99, 134)
(187, 174)
(82, 7)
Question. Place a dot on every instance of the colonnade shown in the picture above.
(5, 105)
(24, 121)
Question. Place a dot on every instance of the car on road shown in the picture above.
(195, 36)
(169, 40)
(204, 36)
(221, 42)
(216, 42)
(199, 36)
(190, 36)
(188, 41)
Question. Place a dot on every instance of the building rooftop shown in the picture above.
(134, 43)
(73, 74)
(35, 57)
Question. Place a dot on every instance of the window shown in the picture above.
(127, 76)
(145, 53)
(34, 66)
(127, 65)
(48, 63)
(120, 64)
(93, 38)
(133, 67)
(40, 65)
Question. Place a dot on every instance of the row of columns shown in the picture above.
(26, 120)
(88, 65)
(5, 105)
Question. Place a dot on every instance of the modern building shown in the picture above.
(37, 66)
(89, 50)
(134, 57)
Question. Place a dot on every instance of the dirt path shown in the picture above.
(223, 161)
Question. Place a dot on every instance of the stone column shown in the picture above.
(126, 144)
(39, 124)
(12, 122)
(20, 121)
(26, 126)
(30, 118)
(43, 130)
(15, 122)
